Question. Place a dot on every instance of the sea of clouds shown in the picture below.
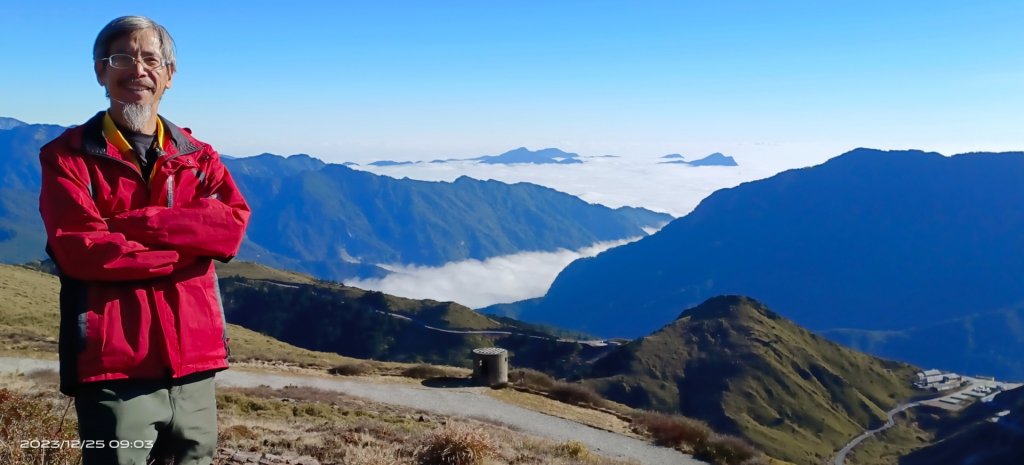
(479, 283)
(613, 182)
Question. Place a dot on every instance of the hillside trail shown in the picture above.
(840, 457)
(464, 402)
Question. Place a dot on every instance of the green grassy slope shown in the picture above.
(366, 324)
(29, 321)
(286, 311)
(970, 438)
(744, 369)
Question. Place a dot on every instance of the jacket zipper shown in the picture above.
(164, 160)
(134, 168)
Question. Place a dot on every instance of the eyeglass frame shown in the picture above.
(135, 61)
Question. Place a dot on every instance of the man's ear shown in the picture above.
(99, 66)
(170, 76)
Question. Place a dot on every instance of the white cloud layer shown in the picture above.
(613, 182)
(476, 283)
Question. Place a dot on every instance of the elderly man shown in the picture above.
(136, 210)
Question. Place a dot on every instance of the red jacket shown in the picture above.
(139, 295)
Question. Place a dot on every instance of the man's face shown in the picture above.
(135, 84)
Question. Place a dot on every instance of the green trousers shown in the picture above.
(124, 423)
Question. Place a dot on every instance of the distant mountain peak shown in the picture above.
(293, 157)
(715, 159)
(862, 151)
(738, 366)
(728, 307)
(273, 164)
(524, 155)
(392, 163)
(518, 155)
(10, 123)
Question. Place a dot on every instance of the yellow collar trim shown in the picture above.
(115, 137)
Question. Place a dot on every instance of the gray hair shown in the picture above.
(126, 25)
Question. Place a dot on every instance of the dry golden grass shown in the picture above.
(328, 426)
(456, 444)
(583, 415)
(250, 270)
(333, 427)
(351, 369)
(31, 409)
(695, 437)
(28, 311)
(531, 379)
(425, 371)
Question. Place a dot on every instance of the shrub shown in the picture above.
(24, 417)
(725, 450)
(456, 445)
(235, 433)
(576, 394)
(673, 430)
(572, 449)
(532, 379)
(351, 369)
(424, 371)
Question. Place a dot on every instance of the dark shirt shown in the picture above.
(144, 147)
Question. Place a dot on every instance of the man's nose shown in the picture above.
(140, 67)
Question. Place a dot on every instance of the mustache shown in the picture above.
(138, 82)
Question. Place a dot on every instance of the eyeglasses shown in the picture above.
(123, 61)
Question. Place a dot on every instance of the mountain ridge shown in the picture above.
(932, 237)
(743, 368)
(339, 223)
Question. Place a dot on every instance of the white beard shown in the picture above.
(136, 115)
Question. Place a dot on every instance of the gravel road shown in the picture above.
(467, 402)
(840, 458)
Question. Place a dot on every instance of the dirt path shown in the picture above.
(466, 402)
(840, 458)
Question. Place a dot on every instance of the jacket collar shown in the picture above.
(93, 142)
(182, 143)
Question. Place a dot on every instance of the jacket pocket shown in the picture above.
(117, 329)
(202, 328)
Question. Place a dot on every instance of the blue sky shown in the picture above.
(782, 83)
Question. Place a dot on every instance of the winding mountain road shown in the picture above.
(840, 458)
(466, 402)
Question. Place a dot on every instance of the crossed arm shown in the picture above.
(137, 244)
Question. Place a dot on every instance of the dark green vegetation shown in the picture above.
(745, 370)
(905, 436)
(870, 240)
(969, 438)
(335, 223)
(330, 317)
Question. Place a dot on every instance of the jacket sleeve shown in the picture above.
(81, 242)
(211, 225)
